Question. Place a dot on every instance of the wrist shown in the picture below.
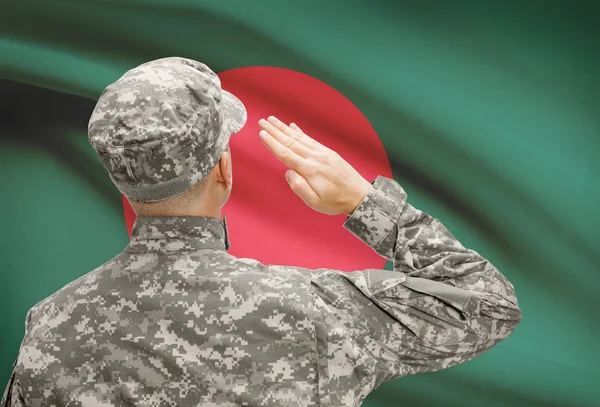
(359, 196)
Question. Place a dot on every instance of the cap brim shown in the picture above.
(234, 112)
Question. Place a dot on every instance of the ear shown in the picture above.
(225, 175)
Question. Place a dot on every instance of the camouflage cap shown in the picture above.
(163, 126)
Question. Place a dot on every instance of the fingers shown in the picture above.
(286, 136)
(294, 132)
(283, 153)
(308, 141)
(295, 127)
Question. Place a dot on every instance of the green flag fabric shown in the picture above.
(487, 115)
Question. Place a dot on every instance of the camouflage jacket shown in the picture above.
(174, 320)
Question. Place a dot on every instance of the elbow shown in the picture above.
(497, 315)
(497, 328)
(516, 317)
(510, 314)
(509, 325)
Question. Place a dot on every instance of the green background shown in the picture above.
(489, 112)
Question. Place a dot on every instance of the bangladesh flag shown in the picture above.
(487, 114)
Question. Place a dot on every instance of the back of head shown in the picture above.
(183, 204)
(162, 127)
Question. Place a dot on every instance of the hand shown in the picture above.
(318, 175)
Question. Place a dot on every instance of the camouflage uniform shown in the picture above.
(174, 320)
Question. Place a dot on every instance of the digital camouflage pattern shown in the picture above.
(163, 126)
(174, 320)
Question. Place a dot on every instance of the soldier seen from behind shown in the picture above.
(174, 320)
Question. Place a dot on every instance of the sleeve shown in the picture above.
(13, 396)
(442, 305)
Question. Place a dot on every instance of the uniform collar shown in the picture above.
(174, 233)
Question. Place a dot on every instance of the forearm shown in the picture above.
(422, 248)
(442, 305)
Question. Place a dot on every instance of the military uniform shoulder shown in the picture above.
(71, 290)
(246, 264)
(303, 271)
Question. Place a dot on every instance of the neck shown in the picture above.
(199, 210)
(205, 213)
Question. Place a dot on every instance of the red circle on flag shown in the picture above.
(266, 220)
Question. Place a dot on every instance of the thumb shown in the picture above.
(301, 188)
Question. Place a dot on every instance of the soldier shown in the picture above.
(174, 320)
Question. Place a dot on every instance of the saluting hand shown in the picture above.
(318, 175)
